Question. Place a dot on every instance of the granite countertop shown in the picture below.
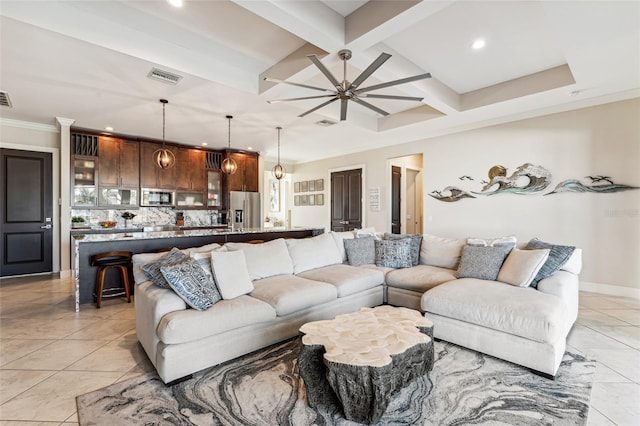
(117, 230)
(130, 234)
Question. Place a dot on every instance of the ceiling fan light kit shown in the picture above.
(346, 91)
(163, 157)
(278, 170)
(229, 166)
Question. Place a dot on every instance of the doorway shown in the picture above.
(405, 195)
(26, 212)
(346, 200)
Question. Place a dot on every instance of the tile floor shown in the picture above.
(49, 353)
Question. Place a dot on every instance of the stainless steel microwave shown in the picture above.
(157, 197)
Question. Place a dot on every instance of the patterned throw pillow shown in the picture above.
(558, 256)
(192, 284)
(482, 262)
(152, 270)
(360, 251)
(416, 240)
(394, 253)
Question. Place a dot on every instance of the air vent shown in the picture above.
(84, 144)
(4, 99)
(213, 160)
(164, 76)
(325, 123)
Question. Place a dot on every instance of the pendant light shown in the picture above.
(229, 166)
(163, 157)
(278, 170)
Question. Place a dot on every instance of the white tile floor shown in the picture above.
(49, 353)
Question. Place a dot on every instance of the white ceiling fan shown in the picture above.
(346, 91)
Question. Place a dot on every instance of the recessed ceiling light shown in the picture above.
(479, 44)
(250, 148)
(204, 144)
(175, 3)
(109, 129)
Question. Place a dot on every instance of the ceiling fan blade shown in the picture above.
(393, 83)
(325, 71)
(274, 101)
(318, 107)
(343, 108)
(370, 70)
(368, 105)
(275, 80)
(398, 98)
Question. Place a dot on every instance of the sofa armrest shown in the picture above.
(564, 285)
(151, 304)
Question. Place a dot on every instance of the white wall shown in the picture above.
(602, 140)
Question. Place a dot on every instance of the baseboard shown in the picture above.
(65, 273)
(610, 290)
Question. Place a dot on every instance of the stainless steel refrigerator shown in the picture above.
(245, 210)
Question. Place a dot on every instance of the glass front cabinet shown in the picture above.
(214, 189)
(84, 181)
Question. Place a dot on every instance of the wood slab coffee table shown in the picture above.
(361, 359)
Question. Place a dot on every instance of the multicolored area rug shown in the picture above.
(264, 388)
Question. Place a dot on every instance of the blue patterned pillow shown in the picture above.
(360, 251)
(416, 240)
(152, 270)
(558, 256)
(482, 262)
(394, 253)
(192, 284)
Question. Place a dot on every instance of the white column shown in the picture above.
(64, 125)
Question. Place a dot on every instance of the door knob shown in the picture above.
(45, 227)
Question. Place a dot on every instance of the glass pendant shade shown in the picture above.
(278, 170)
(229, 166)
(163, 157)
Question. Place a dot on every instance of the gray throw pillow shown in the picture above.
(558, 256)
(416, 240)
(192, 284)
(360, 251)
(152, 270)
(394, 253)
(482, 262)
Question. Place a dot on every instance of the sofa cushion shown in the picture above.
(441, 252)
(266, 259)
(230, 273)
(419, 278)
(361, 251)
(347, 279)
(339, 238)
(290, 293)
(521, 266)
(152, 270)
(192, 284)
(523, 312)
(416, 241)
(393, 253)
(558, 256)
(482, 262)
(191, 325)
(574, 264)
(312, 253)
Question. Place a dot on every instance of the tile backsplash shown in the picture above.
(146, 216)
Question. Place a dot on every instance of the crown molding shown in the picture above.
(28, 125)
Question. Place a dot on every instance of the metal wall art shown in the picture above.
(526, 180)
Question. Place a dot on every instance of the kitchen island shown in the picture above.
(86, 245)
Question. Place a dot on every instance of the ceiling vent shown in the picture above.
(164, 76)
(4, 99)
(325, 123)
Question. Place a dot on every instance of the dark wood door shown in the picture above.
(109, 162)
(396, 179)
(129, 164)
(183, 169)
(346, 200)
(246, 177)
(26, 212)
(198, 170)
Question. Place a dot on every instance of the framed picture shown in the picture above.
(312, 185)
(319, 199)
(319, 184)
(274, 195)
(304, 200)
(296, 200)
(312, 200)
(296, 187)
(304, 186)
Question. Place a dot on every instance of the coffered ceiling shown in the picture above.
(89, 61)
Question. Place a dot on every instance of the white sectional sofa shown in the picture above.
(292, 282)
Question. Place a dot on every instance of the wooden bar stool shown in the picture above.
(120, 260)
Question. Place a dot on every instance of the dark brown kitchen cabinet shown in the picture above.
(119, 160)
(246, 177)
(190, 170)
(152, 176)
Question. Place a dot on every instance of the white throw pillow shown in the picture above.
(204, 259)
(204, 249)
(313, 253)
(509, 240)
(521, 266)
(230, 273)
(265, 259)
(441, 252)
(365, 232)
(339, 238)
